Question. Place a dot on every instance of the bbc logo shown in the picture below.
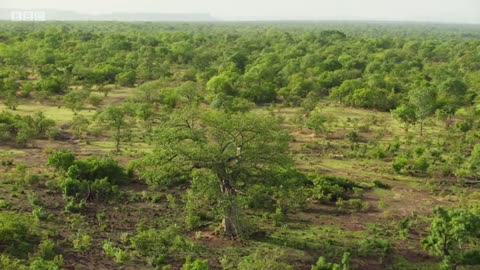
(28, 16)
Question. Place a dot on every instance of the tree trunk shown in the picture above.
(421, 128)
(117, 140)
(230, 223)
(228, 227)
(117, 145)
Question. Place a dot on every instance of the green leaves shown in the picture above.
(406, 114)
(236, 144)
(423, 100)
(61, 160)
(17, 234)
(158, 245)
(451, 232)
(117, 118)
(21, 129)
(318, 121)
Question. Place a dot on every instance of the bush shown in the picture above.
(318, 122)
(322, 264)
(378, 153)
(90, 179)
(4, 205)
(379, 184)
(126, 78)
(52, 84)
(47, 249)
(81, 242)
(61, 160)
(102, 190)
(402, 164)
(40, 213)
(195, 265)
(94, 168)
(9, 263)
(17, 235)
(41, 264)
(21, 129)
(374, 247)
(352, 205)
(399, 164)
(192, 218)
(95, 101)
(157, 245)
(73, 188)
(74, 207)
(331, 188)
(421, 164)
(119, 255)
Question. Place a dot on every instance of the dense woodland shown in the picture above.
(194, 146)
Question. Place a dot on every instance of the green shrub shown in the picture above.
(74, 188)
(21, 129)
(94, 168)
(192, 219)
(9, 263)
(4, 204)
(74, 207)
(278, 217)
(263, 259)
(81, 242)
(374, 247)
(404, 226)
(399, 163)
(40, 213)
(17, 235)
(61, 160)
(195, 265)
(378, 153)
(379, 184)
(47, 249)
(172, 202)
(126, 78)
(80, 184)
(353, 205)
(119, 255)
(421, 164)
(322, 264)
(331, 188)
(41, 264)
(402, 164)
(102, 190)
(157, 245)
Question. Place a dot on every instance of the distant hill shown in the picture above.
(60, 15)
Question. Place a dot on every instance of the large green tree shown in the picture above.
(423, 100)
(238, 149)
(450, 233)
(117, 118)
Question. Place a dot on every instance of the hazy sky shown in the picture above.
(413, 10)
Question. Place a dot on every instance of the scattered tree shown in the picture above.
(118, 119)
(235, 148)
